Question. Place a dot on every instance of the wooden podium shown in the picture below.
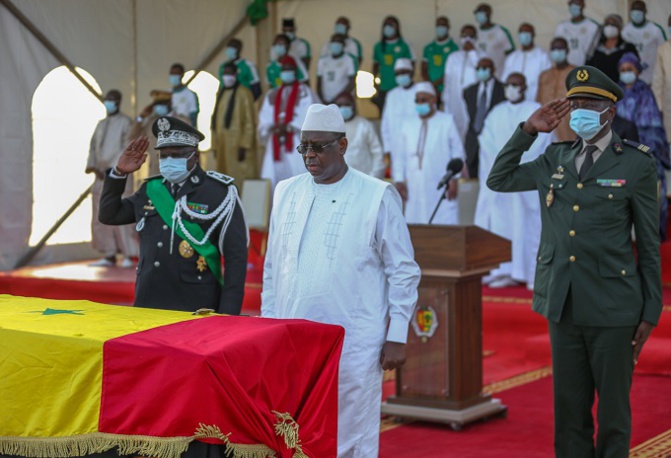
(442, 378)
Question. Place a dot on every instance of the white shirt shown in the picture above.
(185, 102)
(335, 73)
(459, 74)
(364, 150)
(399, 104)
(300, 48)
(531, 64)
(495, 42)
(647, 38)
(581, 38)
(352, 46)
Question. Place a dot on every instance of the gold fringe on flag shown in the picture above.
(287, 428)
(238, 450)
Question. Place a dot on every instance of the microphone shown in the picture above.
(453, 167)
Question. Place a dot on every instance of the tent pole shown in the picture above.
(48, 44)
(32, 251)
(217, 49)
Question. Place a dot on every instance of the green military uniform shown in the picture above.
(589, 283)
(435, 55)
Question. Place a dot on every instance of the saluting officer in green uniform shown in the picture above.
(186, 220)
(600, 301)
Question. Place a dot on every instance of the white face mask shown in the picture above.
(513, 93)
(610, 31)
(229, 80)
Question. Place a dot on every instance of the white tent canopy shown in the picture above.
(130, 45)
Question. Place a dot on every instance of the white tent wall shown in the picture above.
(130, 44)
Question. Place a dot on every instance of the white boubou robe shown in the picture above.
(364, 150)
(399, 105)
(459, 74)
(335, 257)
(514, 216)
(291, 162)
(422, 162)
(531, 64)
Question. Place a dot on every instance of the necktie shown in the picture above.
(174, 188)
(480, 112)
(589, 161)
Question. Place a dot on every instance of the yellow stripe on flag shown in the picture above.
(51, 361)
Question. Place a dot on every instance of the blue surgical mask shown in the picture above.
(423, 109)
(389, 31)
(347, 112)
(627, 77)
(558, 55)
(231, 53)
(340, 29)
(160, 110)
(525, 38)
(110, 106)
(481, 17)
(174, 169)
(336, 48)
(403, 80)
(483, 74)
(175, 80)
(586, 123)
(574, 10)
(279, 50)
(288, 76)
(637, 16)
(442, 31)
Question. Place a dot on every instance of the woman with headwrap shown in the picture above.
(639, 106)
(611, 47)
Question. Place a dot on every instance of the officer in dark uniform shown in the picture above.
(600, 301)
(186, 219)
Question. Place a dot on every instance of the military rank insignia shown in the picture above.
(425, 322)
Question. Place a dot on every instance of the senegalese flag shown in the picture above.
(77, 377)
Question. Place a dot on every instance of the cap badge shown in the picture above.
(163, 125)
(582, 75)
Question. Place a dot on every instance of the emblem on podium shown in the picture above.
(425, 322)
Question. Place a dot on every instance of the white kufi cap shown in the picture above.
(403, 64)
(323, 118)
(426, 87)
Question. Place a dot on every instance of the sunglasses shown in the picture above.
(314, 147)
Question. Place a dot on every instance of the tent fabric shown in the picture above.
(130, 44)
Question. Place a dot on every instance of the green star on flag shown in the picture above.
(49, 311)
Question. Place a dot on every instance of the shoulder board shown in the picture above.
(220, 177)
(153, 177)
(639, 146)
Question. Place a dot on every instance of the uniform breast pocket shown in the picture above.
(612, 203)
(149, 223)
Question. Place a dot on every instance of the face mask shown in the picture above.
(110, 106)
(229, 80)
(279, 50)
(558, 55)
(288, 76)
(290, 35)
(627, 77)
(465, 40)
(336, 48)
(389, 31)
(340, 29)
(174, 169)
(175, 80)
(481, 17)
(423, 109)
(403, 80)
(513, 93)
(574, 10)
(586, 123)
(610, 31)
(442, 31)
(483, 74)
(525, 38)
(637, 16)
(160, 110)
(347, 112)
(231, 53)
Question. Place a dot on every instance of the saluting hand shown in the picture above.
(392, 356)
(547, 117)
(642, 333)
(133, 156)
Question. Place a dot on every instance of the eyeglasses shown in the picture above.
(314, 147)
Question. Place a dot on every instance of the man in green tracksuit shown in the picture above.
(600, 299)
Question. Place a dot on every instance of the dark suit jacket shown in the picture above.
(586, 247)
(169, 280)
(471, 144)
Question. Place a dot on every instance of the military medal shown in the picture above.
(560, 173)
(140, 225)
(201, 264)
(185, 250)
(550, 197)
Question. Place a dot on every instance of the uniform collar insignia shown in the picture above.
(617, 148)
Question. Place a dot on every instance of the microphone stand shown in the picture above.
(440, 201)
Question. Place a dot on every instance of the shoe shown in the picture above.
(127, 263)
(502, 283)
(103, 262)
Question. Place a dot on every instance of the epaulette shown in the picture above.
(153, 177)
(220, 177)
(639, 146)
